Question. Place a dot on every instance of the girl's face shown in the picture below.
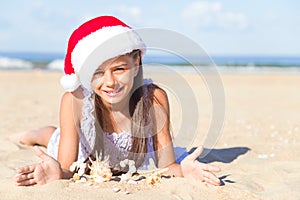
(113, 80)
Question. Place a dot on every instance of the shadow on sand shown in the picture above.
(221, 155)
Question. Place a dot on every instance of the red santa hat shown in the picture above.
(91, 44)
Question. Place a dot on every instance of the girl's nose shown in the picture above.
(109, 79)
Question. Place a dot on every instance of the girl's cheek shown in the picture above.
(123, 78)
(127, 77)
(96, 82)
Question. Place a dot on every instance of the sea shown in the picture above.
(230, 63)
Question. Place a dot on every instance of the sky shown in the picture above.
(221, 27)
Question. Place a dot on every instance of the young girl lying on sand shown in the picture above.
(108, 108)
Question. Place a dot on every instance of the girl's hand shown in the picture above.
(193, 169)
(46, 171)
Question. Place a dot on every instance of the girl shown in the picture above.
(109, 109)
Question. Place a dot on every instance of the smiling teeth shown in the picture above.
(112, 93)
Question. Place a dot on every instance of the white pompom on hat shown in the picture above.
(93, 43)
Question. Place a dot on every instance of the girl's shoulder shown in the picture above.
(76, 94)
(72, 102)
(159, 95)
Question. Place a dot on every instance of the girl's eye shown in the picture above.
(99, 73)
(119, 69)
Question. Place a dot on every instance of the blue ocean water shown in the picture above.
(54, 61)
(280, 61)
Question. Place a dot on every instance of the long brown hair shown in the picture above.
(140, 104)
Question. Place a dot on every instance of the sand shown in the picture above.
(258, 149)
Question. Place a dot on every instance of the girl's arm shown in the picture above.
(189, 167)
(163, 141)
(50, 169)
(69, 136)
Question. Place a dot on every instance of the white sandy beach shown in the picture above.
(258, 150)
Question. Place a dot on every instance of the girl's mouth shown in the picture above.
(113, 93)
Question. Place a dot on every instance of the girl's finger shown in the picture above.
(41, 154)
(26, 169)
(211, 178)
(195, 154)
(213, 182)
(26, 182)
(23, 177)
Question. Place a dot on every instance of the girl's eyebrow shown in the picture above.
(119, 65)
(98, 70)
(114, 66)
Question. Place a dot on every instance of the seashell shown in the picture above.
(123, 163)
(132, 182)
(153, 174)
(152, 180)
(73, 167)
(155, 177)
(82, 165)
(76, 177)
(131, 169)
(115, 189)
(78, 165)
(131, 163)
(82, 180)
(100, 170)
(81, 171)
(125, 177)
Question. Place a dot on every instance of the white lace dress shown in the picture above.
(117, 146)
